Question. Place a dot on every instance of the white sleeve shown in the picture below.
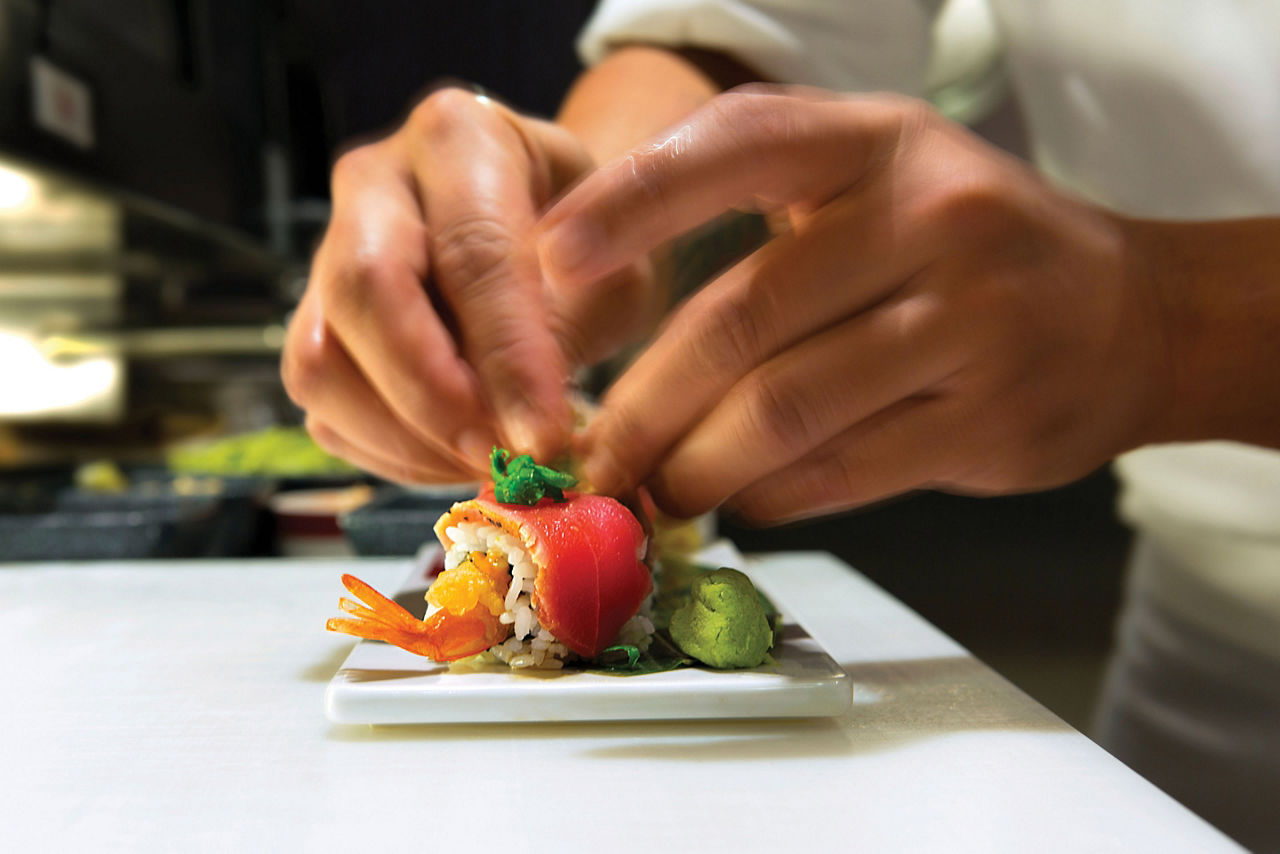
(845, 45)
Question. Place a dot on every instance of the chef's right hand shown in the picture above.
(425, 335)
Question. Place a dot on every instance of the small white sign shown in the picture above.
(61, 103)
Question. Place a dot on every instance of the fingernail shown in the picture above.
(567, 247)
(602, 473)
(520, 432)
(475, 446)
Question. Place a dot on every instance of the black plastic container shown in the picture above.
(240, 517)
(44, 516)
(398, 521)
(172, 531)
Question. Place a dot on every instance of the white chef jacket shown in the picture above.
(1156, 109)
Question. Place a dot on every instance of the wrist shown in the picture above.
(1215, 288)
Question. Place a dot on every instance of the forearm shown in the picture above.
(1217, 285)
(638, 91)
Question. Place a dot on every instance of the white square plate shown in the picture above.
(382, 684)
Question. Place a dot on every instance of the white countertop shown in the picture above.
(179, 706)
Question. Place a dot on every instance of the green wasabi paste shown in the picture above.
(723, 624)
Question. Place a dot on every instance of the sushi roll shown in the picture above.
(535, 573)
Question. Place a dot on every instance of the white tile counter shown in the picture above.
(179, 706)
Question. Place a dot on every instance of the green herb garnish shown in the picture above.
(632, 654)
(522, 481)
(628, 660)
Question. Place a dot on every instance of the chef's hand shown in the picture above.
(425, 334)
(936, 316)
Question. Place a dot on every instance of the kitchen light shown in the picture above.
(16, 189)
(31, 385)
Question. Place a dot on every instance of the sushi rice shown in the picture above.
(530, 644)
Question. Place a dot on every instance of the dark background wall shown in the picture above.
(371, 61)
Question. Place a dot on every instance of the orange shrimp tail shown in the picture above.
(442, 637)
(459, 636)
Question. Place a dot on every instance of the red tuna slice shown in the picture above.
(587, 550)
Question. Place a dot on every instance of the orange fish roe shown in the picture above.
(479, 581)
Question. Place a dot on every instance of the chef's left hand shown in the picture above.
(936, 315)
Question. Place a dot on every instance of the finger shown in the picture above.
(480, 208)
(394, 470)
(368, 278)
(743, 149)
(910, 445)
(594, 323)
(588, 324)
(322, 378)
(804, 397)
(841, 263)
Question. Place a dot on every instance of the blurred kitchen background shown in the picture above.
(163, 177)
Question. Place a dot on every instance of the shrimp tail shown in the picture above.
(441, 637)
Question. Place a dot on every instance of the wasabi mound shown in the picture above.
(723, 625)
